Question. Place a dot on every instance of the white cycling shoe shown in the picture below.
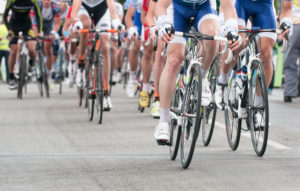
(107, 105)
(162, 133)
(131, 88)
(206, 93)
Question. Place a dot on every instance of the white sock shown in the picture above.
(223, 78)
(204, 73)
(146, 87)
(258, 100)
(132, 75)
(164, 115)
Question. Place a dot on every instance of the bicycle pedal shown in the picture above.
(260, 128)
(164, 143)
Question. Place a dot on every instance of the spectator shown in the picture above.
(4, 48)
(291, 57)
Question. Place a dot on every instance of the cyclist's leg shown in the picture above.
(48, 53)
(83, 42)
(146, 71)
(158, 65)
(207, 23)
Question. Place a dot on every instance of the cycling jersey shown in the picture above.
(92, 3)
(20, 19)
(48, 15)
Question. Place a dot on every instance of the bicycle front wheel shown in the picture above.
(191, 119)
(232, 122)
(90, 94)
(210, 111)
(258, 113)
(99, 93)
(22, 76)
(175, 123)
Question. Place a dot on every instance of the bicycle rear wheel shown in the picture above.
(259, 129)
(99, 93)
(210, 111)
(232, 122)
(175, 124)
(191, 119)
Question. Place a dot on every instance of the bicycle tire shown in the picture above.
(194, 84)
(61, 74)
(90, 99)
(175, 128)
(39, 74)
(210, 111)
(99, 93)
(258, 75)
(22, 74)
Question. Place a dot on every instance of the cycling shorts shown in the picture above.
(180, 14)
(24, 26)
(98, 14)
(260, 13)
(137, 21)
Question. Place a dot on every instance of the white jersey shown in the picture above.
(213, 4)
(92, 3)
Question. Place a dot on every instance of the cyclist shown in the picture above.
(207, 23)
(147, 59)
(134, 26)
(20, 22)
(116, 51)
(101, 12)
(50, 11)
(149, 6)
(159, 59)
(263, 16)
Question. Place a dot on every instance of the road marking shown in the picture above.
(271, 143)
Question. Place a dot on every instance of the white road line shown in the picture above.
(270, 142)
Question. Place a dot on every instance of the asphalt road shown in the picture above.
(49, 144)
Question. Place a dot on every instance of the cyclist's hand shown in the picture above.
(286, 27)
(234, 41)
(153, 32)
(165, 29)
(54, 35)
(10, 35)
(132, 31)
(115, 23)
(231, 31)
(76, 25)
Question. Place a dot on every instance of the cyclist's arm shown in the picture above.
(75, 9)
(129, 17)
(5, 14)
(161, 7)
(56, 21)
(228, 9)
(286, 10)
(38, 16)
(150, 13)
(112, 9)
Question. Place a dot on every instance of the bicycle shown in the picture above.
(190, 114)
(61, 61)
(94, 75)
(40, 69)
(246, 80)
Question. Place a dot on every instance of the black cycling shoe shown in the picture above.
(164, 142)
(288, 99)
